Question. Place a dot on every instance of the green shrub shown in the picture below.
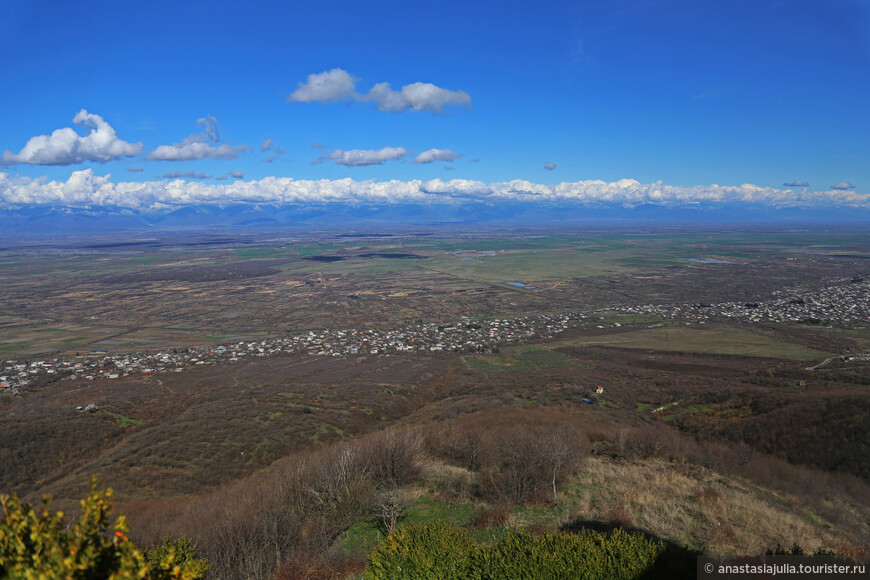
(438, 550)
(585, 556)
(176, 552)
(434, 551)
(36, 544)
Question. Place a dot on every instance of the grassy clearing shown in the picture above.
(122, 420)
(695, 507)
(860, 335)
(712, 340)
(427, 509)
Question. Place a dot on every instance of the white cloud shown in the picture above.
(66, 147)
(361, 157)
(843, 186)
(199, 145)
(266, 145)
(417, 97)
(135, 169)
(796, 183)
(550, 166)
(85, 188)
(326, 87)
(433, 155)
(236, 174)
(189, 151)
(456, 188)
(337, 85)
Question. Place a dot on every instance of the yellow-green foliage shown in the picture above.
(178, 552)
(585, 556)
(433, 551)
(35, 544)
(438, 550)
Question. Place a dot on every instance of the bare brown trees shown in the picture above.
(516, 463)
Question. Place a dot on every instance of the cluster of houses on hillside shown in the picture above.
(841, 303)
(466, 335)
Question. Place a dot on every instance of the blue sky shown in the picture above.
(689, 93)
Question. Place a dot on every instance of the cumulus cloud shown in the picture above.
(417, 97)
(199, 145)
(361, 157)
(550, 166)
(338, 85)
(843, 186)
(433, 155)
(66, 147)
(796, 183)
(186, 175)
(266, 145)
(85, 188)
(327, 87)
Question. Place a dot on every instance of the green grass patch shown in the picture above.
(361, 537)
(122, 420)
(426, 510)
(642, 407)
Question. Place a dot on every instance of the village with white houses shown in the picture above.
(839, 303)
(466, 335)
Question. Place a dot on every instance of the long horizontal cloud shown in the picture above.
(338, 85)
(433, 155)
(417, 97)
(85, 188)
(66, 147)
(198, 145)
(362, 157)
(186, 175)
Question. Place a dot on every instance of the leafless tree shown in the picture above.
(389, 509)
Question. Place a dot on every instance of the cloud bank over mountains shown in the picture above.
(83, 188)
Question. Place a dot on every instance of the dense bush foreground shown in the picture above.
(438, 551)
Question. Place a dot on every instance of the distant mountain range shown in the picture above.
(45, 220)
